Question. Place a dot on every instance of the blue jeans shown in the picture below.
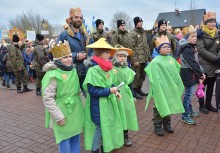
(29, 70)
(8, 76)
(71, 145)
(187, 100)
(97, 137)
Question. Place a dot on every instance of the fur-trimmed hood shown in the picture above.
(49, 66)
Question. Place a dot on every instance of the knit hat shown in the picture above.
(160, 22)
(120, 22)
(15, 38)
(99, 21)
(208, 17)
(39, 37)
(136, 20)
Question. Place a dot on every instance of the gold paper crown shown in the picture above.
(209, 15)
(161, 40)
(188, 30)
(177, 30)
(60, 50)
(73, 12)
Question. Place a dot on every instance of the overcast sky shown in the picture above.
(56, 11)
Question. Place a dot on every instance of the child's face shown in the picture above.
(105, 55)
(165, 49)
(192, 38)
(121, 58)
(67, 60)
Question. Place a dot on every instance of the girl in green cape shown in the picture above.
(103, 123)
(166, 87)
(126, 105)
(61, 97)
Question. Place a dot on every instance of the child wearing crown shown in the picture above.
(61, 97)
(190, 71)
(166, 87)
(126, 105)
(103, 123)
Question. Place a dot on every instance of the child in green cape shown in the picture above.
(61, 97)
(126, 104)
(166, 87)
(103, 125)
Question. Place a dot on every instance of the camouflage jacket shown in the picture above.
(40, 56)
(15, 55)
(97, 35)
(139, 46)
(171, 38)
(121, 38)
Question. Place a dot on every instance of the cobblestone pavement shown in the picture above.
(22, 129)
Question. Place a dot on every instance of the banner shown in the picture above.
(44, 32)
(31, 35)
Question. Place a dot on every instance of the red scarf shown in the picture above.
(105, 65)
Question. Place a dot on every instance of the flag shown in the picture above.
(93, 25)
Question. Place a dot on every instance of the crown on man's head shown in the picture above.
(161, 40)
(209, 15)
(60, 50)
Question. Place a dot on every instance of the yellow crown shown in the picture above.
(177, 30)
(188, 30)
(60, 50)
(161, 40)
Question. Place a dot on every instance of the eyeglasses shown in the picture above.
(166, 47)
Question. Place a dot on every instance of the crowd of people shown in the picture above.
(110, 70)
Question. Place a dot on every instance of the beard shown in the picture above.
(77, 24)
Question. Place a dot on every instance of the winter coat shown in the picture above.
(139, 46)
(97, 35)
(7, 60)
(77, 45)
(171, 38)
(190, 70)
(28, 58)
(208, 49)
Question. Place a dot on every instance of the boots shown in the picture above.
(13, 81)
(167, 127)
(137, 95)
(8, 86)
(26, 89)
(141, 92)
(19, 90)
(211, 108)
(202, 107)
(3, 83)
(127, 142)
(159, 130)
(38, 91)
(31, 79)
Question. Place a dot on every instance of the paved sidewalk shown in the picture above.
(22, 129)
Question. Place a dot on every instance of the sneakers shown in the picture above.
(31, 79)
(194, 114)
(188, 120)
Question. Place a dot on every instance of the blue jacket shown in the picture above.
(95, 93)
(27, 58)
(76, 45)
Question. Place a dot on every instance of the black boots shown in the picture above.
(127, 142)
(97, 151)
(19, 90)
(141, 92)
(211, 108)
(203, 110)
(136, 94)
(26, 89)
(159, 130)
(167, 127)
(38, 91)
(3, 83)
(8, 86)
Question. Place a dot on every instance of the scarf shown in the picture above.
(209, 31)
(63, 67)
(105, 65)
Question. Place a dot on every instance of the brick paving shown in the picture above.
(22, 129)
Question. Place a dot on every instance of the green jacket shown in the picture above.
(15, 55)
(97, 35)
(139, 46)
(208, 49)
(171, 40)
(40, 56)
(121, 38)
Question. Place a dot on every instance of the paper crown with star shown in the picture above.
(209, 16)
(60, 50)
(161, 40)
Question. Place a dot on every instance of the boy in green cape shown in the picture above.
(166, 87)
(126, 104)
(103, 123)
(61, 97)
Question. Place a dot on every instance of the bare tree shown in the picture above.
(123, 16)
(31, 21)
(57, 29)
